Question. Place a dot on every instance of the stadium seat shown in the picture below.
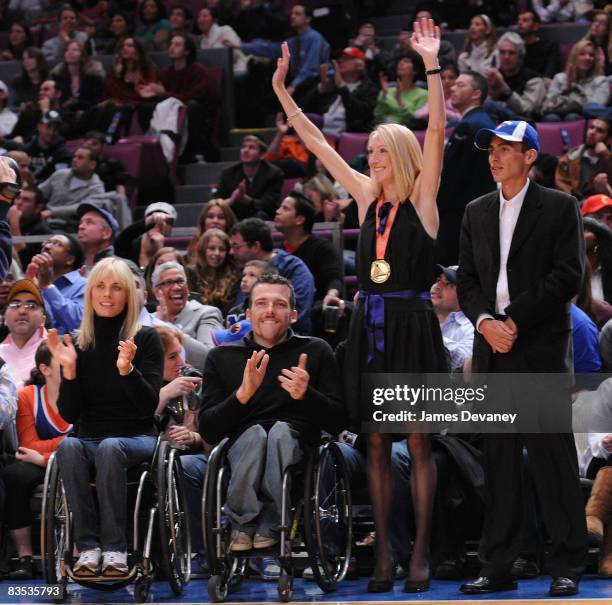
(550, 135)
(352, 144)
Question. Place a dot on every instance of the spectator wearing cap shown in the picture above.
(10, 185)
(7, 118)
(252, 186)
(25, 320)
(347, 100)
(398, 104)
(517, 90)
(56, 273)
(109, 169)
(142, 239)
(54, 48)
(47, 149)
(66, 189)
(521, 261)
(97, 231)
(25, 218)
(457, 329)
(586, 170)
(598, 207)
(170, 288)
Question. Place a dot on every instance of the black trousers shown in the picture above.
(20, 480)
(553, 465)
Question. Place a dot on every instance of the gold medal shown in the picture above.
(380, 271)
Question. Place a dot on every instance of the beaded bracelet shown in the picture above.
(293, 115)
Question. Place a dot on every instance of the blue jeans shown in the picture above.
(110, 458)
(194, 468)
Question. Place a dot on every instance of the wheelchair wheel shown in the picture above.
(175, 540)
(285, 588)
(328, 528)
(215, 528)
(217, 588)
(54, 528)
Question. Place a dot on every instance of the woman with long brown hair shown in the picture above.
(213, 276)
(479, 50)
(216, 214)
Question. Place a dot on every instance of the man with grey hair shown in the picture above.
(172, 293)
(519, 90)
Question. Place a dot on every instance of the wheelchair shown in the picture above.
(320, 521)
(160, 505)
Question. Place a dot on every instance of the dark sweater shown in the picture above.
(323, 260)
(192, 83)
(544, 58)
(100, 400)
(322, 408)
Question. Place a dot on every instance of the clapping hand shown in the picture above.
(127, 351)
(64, 352)
(295, 381)
(253, 376)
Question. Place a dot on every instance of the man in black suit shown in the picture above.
(521, 262)
(465, 173)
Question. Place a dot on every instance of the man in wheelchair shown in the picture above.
(271, 394)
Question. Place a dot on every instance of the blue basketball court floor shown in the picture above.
(592, 590)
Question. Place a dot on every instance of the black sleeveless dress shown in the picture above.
(412, 337)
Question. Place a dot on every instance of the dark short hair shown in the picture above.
(533, 13)
(479, 82)
(255, 230)
(97, 135)
(187, 12)
(275, 279)
(161, 11)
(303, 207)
(307, 8)
(75, 250)
(65, 8)
(608, 124)
(190, 47)
(94, 156)
(38, 194)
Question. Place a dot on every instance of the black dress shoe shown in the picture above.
(525, 568)
(563, 587)
(484, 584)
(380, 585)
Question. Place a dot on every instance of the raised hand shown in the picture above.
(295, 381)
(281, 126)
(426, 40)
(127, 351)
(338, 80)
(282, 68)
(64, 352)
(253, 376)
(384, 82)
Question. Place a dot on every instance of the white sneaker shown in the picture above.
(88, 563)
(114, 563)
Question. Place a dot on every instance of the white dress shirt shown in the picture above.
(509, 211)
(458, 336)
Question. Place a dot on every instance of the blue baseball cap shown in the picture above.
(517, 131)
(234, 333)
(105, 214)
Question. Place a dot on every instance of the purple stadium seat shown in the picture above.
(420, 135)
(550, 135)
(288, 185)
(351, 144)
(74, 144)
(565, 50)
(3, 40)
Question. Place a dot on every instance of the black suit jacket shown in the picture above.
(545, 268)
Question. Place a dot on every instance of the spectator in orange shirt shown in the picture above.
(40, 429)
